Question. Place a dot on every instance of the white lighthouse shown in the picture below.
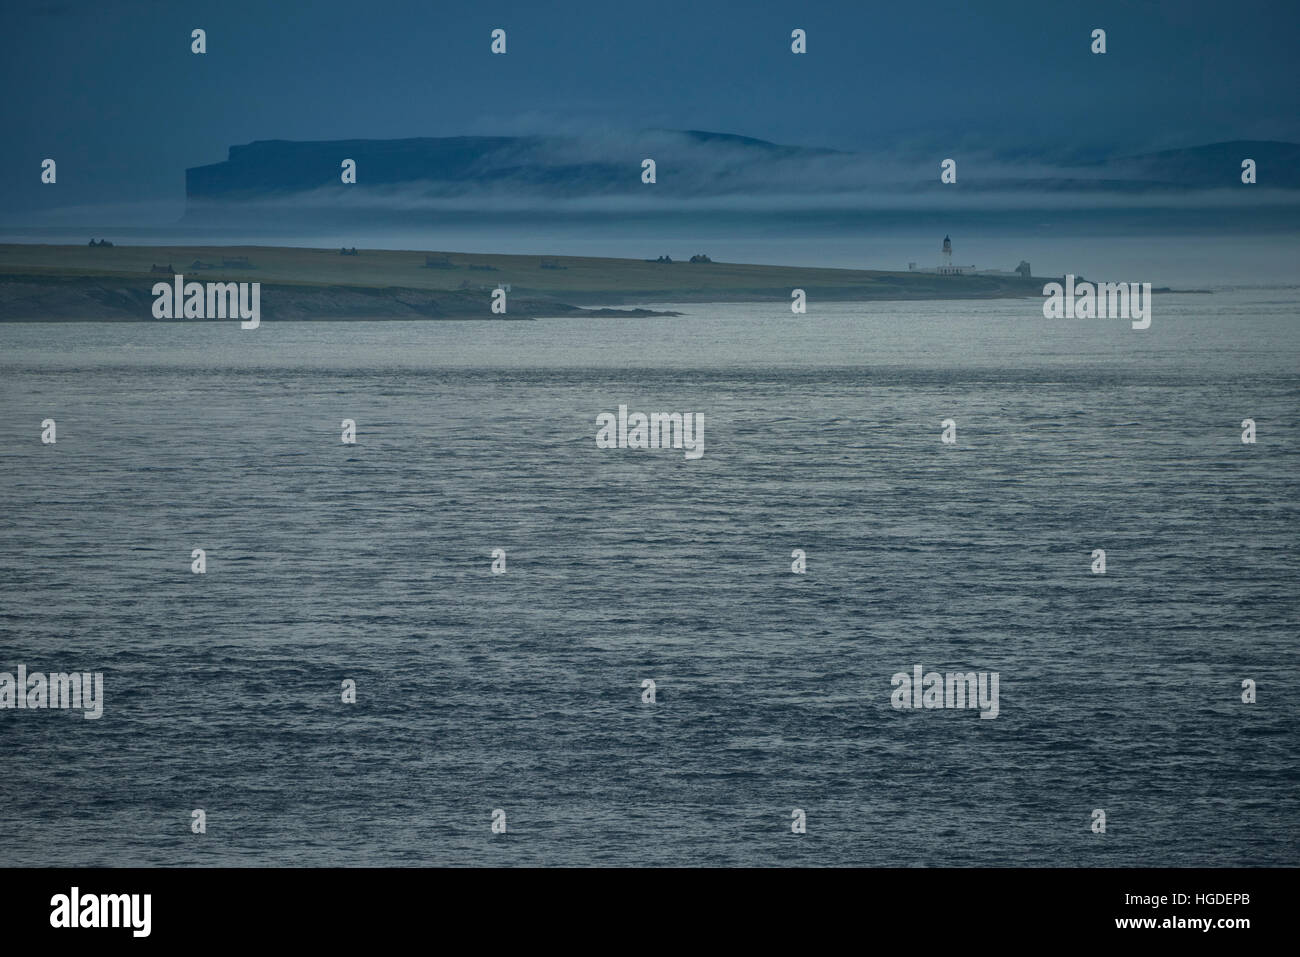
(946, 268)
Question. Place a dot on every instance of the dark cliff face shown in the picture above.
(281, 167)
(487, 174)
(448, 166)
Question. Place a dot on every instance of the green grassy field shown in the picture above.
(46, 282)
(580, 278)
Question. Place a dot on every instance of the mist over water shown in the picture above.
(522, 691)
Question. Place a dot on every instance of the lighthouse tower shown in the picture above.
(947, 251)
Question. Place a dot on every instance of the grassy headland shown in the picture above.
(46, 282)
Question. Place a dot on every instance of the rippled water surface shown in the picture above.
(522, 691)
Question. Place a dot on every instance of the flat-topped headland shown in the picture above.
(115, 282)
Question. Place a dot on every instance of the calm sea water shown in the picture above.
(522, 691)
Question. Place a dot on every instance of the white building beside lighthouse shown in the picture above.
(946, 267)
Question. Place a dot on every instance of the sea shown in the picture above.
(519, 697)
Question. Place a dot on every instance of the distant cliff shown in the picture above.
(484, 173)
(694, 161)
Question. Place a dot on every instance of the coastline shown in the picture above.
(50, 283)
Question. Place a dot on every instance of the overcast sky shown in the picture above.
(111, 90)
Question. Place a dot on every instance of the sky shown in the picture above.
(112, 91)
